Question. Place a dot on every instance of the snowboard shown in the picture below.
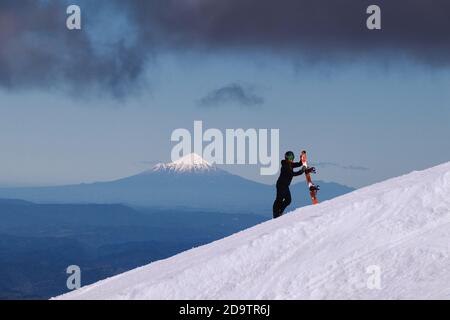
(311, 186)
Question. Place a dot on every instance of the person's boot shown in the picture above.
(278, 213)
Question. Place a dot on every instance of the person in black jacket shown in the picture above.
(283, 199)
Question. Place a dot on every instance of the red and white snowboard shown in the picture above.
(311, 186)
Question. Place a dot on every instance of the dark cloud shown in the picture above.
(340, 166)
(232, 94)
(37, 50)
(319, 29)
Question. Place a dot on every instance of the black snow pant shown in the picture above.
(282, 201)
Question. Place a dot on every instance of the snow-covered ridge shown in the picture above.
(191, 163)
(386, 241)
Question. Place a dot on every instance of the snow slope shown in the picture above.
(401, 226)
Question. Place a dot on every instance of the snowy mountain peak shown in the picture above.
(191, 163)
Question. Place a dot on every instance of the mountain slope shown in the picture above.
(401, 225)
(189, 182)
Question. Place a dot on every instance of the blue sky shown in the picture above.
(107, 108)
(388, 121)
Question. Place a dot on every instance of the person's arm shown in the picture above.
(305, 170)
(296, 164)
(300, 172)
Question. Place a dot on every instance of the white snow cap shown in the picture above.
(187, 164)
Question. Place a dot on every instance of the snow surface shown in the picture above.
(319, 252)
(187, 164)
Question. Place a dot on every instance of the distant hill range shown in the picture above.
(190, 182)
(39, 241)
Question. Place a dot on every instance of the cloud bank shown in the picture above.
(120, 37)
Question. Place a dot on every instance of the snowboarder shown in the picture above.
(283, 199)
